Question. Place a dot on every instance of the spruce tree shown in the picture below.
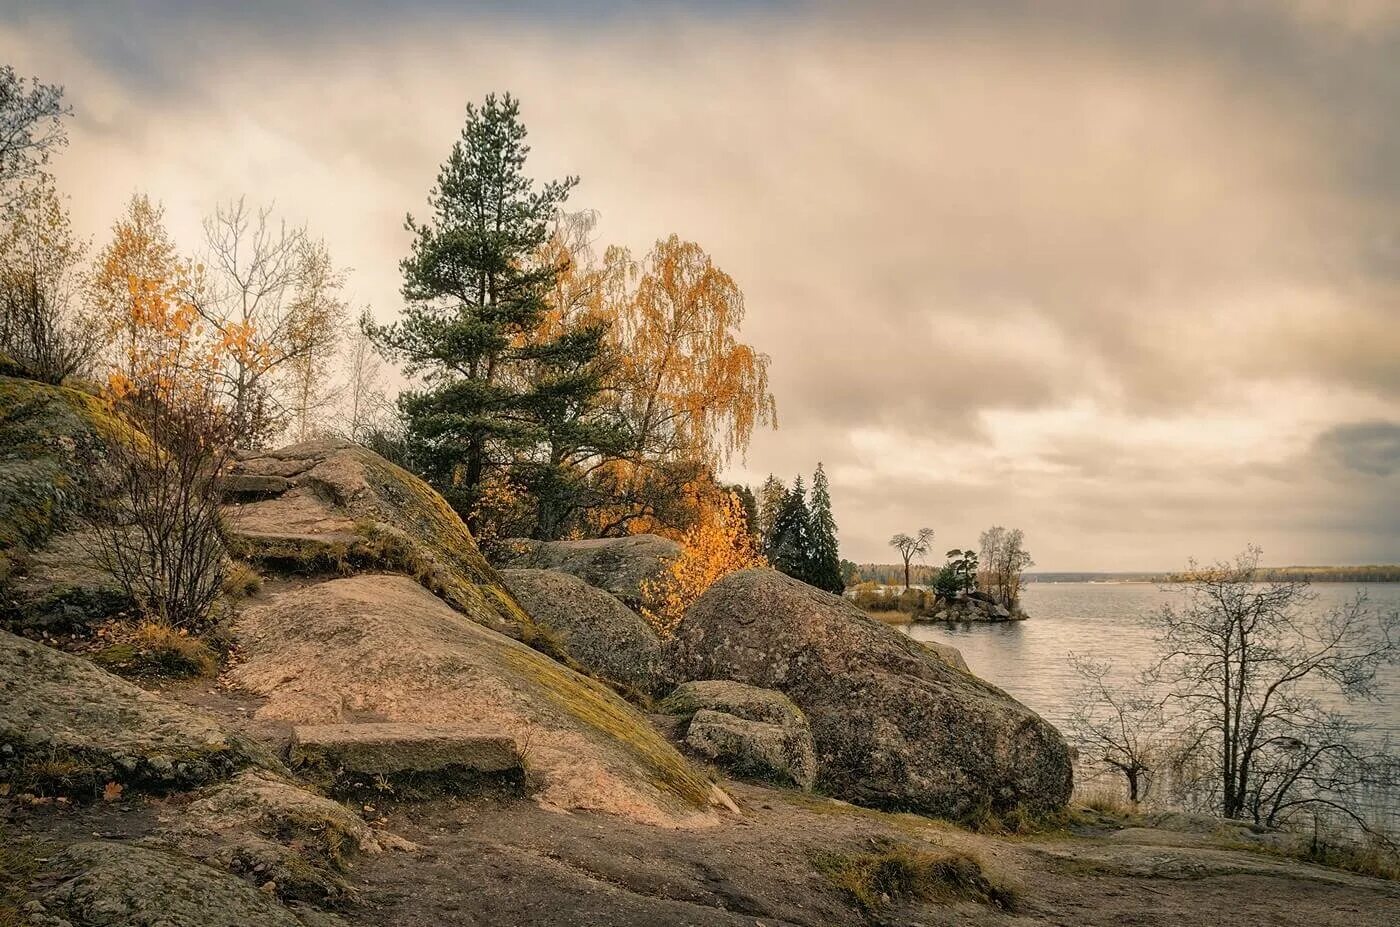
(790, 550)
(771, 497)
(474, 295)
(824, 569)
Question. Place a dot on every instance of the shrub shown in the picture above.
(160, 535)
(872, 598)
(894, 873)
(948, 583)
(241, 580)
(157, 650)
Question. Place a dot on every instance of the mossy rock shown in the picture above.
(53, 444)
(105, 884)
(337, 507)
(68, 727)
(60, 589)
(373, 649)
(267, 828)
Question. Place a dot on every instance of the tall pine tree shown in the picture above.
(474, 295)
(790, 547)
(824, 566)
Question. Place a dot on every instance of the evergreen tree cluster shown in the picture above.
(798, 532)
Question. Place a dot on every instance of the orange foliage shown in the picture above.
(693, 390)
(719, 544)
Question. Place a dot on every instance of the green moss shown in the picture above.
(897, 874)
(52, 442)
(599, 708)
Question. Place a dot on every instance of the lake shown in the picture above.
(1113, 622)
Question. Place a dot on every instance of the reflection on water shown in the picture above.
(1113, 622)
(1108, 621)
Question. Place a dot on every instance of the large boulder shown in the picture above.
(604, 636)
(371, 649)
(67, 726)
(756, 732)
(894, 725)
(621, 566)
(332, 505)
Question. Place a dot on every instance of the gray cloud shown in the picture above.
(1366, 447)
(1115, 272)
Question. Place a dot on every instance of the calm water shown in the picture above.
(1112, 621)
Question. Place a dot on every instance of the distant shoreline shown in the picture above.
(893, 574)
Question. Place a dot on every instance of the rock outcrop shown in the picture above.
(755, 732)
(404, 759)
(53, 441)
(273, 833)
(972, 607)
(332, 505)
(620, 566)
(947, 653)
(68, 727)
(109, 884)
(593, 627)
(381, 648)
(894, 725)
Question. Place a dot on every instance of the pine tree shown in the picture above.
(790, 550)
(824, 568)
(474, 294)
(771, 496)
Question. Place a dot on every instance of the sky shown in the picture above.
(1125, 275)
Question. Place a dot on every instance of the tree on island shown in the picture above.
(911, 547)
(1002, 561)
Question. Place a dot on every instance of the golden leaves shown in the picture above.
(719, 544)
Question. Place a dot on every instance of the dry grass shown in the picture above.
(893, 873)
(19, 864)
(152, 649)
(241, 580)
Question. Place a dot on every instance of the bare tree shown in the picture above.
(1253, 666)
(272, 295)
(159, 532)
(1002, 561)
(1117, 726)
(41, 321)
(911, 547)
(31, 129)
(365, 402)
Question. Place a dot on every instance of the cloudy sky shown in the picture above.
(1123, 274)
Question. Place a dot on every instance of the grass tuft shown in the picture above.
(894, 873)
(241, 580)
(155, 650)
(19, 865)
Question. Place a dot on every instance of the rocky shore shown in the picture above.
(400, 734)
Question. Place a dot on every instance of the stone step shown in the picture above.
(405, 760)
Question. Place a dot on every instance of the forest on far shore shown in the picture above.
(923, 574)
